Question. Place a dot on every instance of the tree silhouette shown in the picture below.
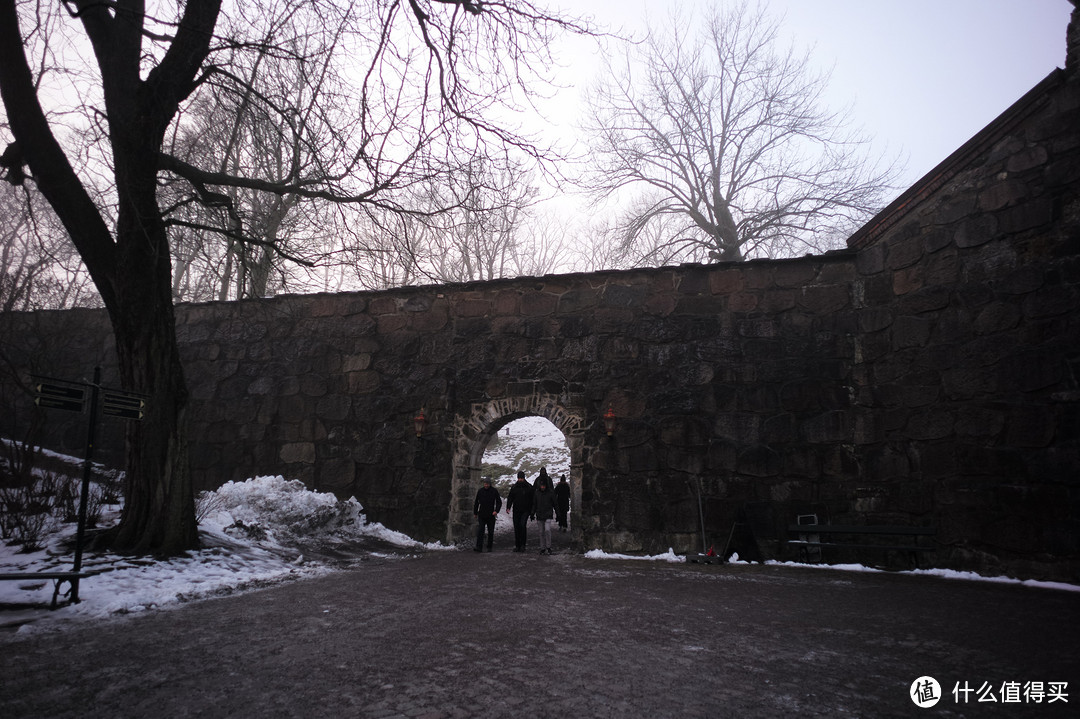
(720, 148)
(424, 75)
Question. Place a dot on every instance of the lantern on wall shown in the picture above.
(609, 421)
(420, 422)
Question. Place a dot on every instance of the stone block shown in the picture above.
(1032, 371)
(758, 461)
(744, 302)
(298, 452)
(507, 302)
(824, 299)
(871, 260)
(873, 319)
(472, 308)
(975, 421)
(684, 459)
(904, 253)
(997, 317)
(976, 231)
(1051, 302)
(930, 424)
(578, 300)
(1028, 216)
(535, 304)
(1002, 194)
(363, 382)
(726, 282)
(776, 301)
(832, 426)
(925, 299)
(740, 427)
(795, 273)
(910, 332)
(907, 280)
(1027, 158)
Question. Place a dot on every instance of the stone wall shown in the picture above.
(737, 378)
(969, 344)
(927, 376)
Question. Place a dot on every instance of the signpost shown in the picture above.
(123, 404)
(52, 393)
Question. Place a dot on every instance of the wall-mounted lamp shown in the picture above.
(420, 422)
(609, 421)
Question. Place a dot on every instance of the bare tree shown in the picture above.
(38, 267)
(430, 72)
(478, 239)
(718, 143)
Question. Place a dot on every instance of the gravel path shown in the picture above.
(460, 634)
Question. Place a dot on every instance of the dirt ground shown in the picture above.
(461, 634)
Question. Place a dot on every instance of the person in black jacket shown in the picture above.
(486, 509)
(562, 502)
(543, 510)
(519, 499)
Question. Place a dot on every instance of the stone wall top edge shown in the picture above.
(67, 312)
(833, 256)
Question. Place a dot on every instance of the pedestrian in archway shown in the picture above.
(486, 509)
(562, 502)
(543, 478)
(543, 510)
(519, 499)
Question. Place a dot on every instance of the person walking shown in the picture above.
(486, 509)
(543, 510)
(562, 502)
(519, 499)
(544, 479)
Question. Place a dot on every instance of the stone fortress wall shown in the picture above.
(925, 376)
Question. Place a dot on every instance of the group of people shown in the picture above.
(541, 501)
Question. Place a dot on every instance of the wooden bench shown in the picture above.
(58, 578)
(909, 540)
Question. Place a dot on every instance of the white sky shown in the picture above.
(921, 76)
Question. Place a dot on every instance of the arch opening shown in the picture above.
(476, 433)
(529, 444)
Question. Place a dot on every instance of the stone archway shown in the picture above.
(472, 433)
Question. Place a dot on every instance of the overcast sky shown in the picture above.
(922, 76)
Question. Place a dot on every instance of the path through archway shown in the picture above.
(473, 435)
(527, 445)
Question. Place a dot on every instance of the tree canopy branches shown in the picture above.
(721, 140)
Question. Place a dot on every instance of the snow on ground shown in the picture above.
(257, 533)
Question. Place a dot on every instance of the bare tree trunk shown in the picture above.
(159, 511)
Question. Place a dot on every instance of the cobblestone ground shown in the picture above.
(460, 634)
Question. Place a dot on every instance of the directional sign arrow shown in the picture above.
(59, 396)
(123, 405)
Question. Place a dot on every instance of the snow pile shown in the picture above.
(282, 509)
(255, 533)
(669, 556)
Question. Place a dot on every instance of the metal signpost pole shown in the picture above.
(85, 495)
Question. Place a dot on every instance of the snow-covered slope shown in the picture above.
(526, 444)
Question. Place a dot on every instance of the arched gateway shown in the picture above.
(472, 434)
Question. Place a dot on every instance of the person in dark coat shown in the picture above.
(486, 509)
(543, 511)
(519, 499)
(562, 502)
(543, 478)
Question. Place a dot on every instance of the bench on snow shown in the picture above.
(909, 540)
(58, 578)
